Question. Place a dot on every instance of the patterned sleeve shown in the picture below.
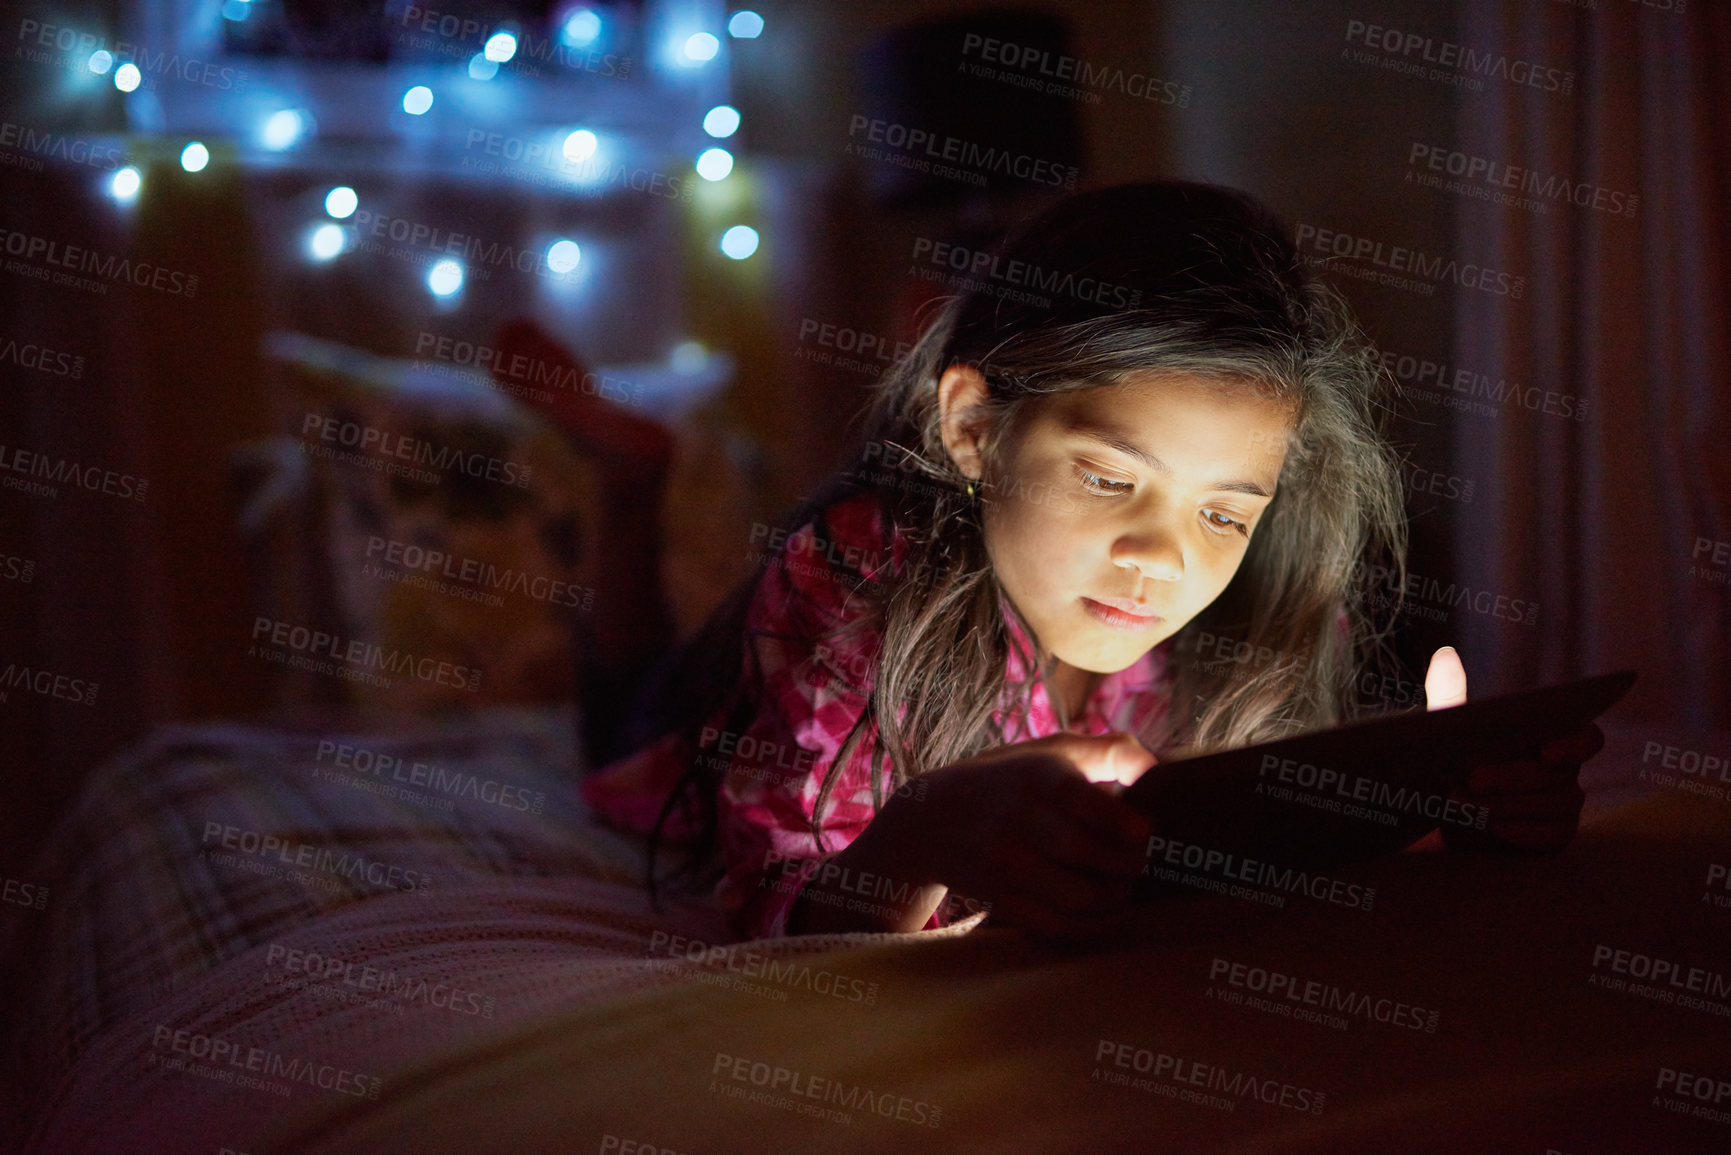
(811, 693)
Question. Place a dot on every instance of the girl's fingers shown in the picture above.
(1042, 921)
(1094, 809)
(1559, 801)
(1559, 761)
(1445, 682)
(1116, 757)
(1576, 747)
(1085, 849)
(1073, 893)
(1520, 777)
(1535, 834)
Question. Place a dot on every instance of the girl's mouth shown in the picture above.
(1120, 619)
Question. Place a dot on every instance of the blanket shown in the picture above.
(532, 999)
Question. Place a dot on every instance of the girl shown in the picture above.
(1142, 445)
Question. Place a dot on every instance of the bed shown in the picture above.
(490, 976)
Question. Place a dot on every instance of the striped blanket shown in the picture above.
(211, 842)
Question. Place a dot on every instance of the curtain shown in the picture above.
(1618, 522)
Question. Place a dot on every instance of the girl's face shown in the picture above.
(1125, 510)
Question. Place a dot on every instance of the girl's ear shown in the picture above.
(961, 391)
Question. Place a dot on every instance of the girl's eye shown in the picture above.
(1225, 524)
(1094, 483)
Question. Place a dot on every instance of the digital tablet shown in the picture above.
(1360, 790)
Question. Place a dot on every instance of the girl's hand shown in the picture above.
(1036, 830)
(1534, 803)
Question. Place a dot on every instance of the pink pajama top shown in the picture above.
(812, 694)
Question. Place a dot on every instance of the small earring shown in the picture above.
(973, 489)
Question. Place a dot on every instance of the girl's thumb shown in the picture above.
(1115, 757)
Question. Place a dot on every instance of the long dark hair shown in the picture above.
(1108, 283)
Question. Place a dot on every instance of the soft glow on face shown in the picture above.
(701, 46)
(341, 201)
(581, 28)
(745, 25)
(194, 157)
(445, 277)
(580, 146)
(127, 77)
(722, 120)
(125, 183)
(739, 242)
(1076, 517)
(101, 61)
(283, 129)
(417, 100)
(327, 241)
(501, 46)
(714, 164)
(562, 256)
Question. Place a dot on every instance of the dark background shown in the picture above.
(1598, 522)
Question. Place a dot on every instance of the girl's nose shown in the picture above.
(1154, 555)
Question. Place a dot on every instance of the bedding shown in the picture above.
(145, 897)
(530, 999)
